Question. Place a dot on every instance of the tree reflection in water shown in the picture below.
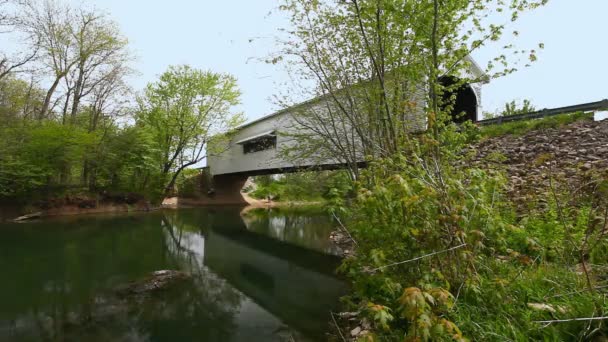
(306, 228)
(201, 308)
(245, 285)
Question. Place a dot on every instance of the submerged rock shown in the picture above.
(156, 281)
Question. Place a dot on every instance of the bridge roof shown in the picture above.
(257, 136)
(475, 69)
(282, 111)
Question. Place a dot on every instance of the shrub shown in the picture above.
(443, 254)
(188, 183)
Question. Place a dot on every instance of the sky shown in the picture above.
(215, 35)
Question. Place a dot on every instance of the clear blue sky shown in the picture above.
(215, 35)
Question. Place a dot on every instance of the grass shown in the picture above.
(512, 288)
(518, 128)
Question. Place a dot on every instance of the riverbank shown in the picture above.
(249, 203)
(10, 212)
(345, 325)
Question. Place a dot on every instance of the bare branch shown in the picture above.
(418, 258)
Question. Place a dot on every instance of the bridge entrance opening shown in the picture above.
(464, 107)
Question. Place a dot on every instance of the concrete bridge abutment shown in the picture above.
(223, 189)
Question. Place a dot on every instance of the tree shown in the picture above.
(19, 99)
(98, 76)
(80, 46)
(47, 25)
(514, 108)
(11, 63)
(82, 61)
(124, 159)
(102, 57)
(36, 154)
(376, 67)
(183, 110)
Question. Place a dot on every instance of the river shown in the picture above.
(264, 275)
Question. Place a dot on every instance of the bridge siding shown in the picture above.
(233, 161)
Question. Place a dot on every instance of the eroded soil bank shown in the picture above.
(77, 205)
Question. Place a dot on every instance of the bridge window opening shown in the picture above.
(465, 106)
(268, 142)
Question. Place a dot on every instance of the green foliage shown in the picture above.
(511, 297)
(55, 146)
(332, 186)
(42, 156)
(437, 241)
(126, 162)
(442, 254)
(188, 183)
(518, 128)
(39, 155)
(375, 68)
(513, 108)
(274, 191)
(181, 112)
(68, 123)
(18, 99)
(19, 179)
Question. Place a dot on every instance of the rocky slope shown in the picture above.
(566, 154)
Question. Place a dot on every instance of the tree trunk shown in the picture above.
(64, 174)
(85, 174)
(171, 184)
(77, 94)
(49, 95)
(65, 107)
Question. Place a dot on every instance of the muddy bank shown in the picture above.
(248, 204)
(10, 212)
(101, 208)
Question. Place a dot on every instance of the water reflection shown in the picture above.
(311, 230)
(247, 284)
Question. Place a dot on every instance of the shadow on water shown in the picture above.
(263, 276)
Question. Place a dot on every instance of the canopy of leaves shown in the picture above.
(182, 111)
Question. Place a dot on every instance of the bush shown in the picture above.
(443, 254)
(303, 186)
(188, 183)
(513, 108)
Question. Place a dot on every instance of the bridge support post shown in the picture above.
(223, 189)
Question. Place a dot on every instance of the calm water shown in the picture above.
(263, 276)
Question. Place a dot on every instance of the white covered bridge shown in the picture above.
(256, 148)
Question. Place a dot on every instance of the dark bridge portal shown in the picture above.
(465, 106)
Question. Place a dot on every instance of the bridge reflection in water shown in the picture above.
(264, 276)
(282, 262)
